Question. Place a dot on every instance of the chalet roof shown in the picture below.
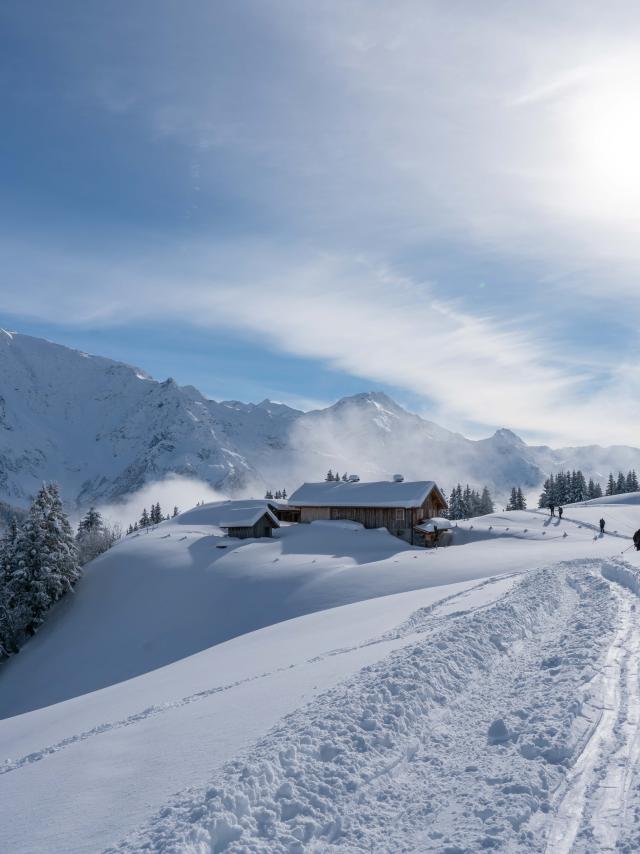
(382, 493)
(430, 525)
(240, 514)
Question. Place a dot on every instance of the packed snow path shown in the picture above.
(512, 727)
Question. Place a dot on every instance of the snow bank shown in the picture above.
(623, 573)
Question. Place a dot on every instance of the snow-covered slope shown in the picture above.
(462, 714)
(103, 429)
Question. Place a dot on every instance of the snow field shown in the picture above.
(453, 743)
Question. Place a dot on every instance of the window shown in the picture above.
(399, 515)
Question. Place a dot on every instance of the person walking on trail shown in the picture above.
(636, 540)
(560, 512)
(552, 508)
(602, 526)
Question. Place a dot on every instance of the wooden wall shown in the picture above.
(394, 519)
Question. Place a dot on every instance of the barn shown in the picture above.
(397, 505)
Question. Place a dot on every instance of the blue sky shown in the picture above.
(303, 200)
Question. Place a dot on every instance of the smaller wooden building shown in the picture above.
(435, 531)
(397, 505)
(251, 520)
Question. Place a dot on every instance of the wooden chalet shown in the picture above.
(397, 505)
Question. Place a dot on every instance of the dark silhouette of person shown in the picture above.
(636, 540)
(552, 508)
(560, 512)
(602, 526)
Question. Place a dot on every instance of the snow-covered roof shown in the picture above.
(240, 514)
(430, 525)
(383, 493)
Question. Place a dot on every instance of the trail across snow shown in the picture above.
(484, 734)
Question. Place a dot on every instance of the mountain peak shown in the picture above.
(371, 398)
(508, 436)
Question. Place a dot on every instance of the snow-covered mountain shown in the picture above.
(104, 429)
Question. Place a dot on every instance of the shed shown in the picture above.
(396, 505)
(242, 521)
(436, 531)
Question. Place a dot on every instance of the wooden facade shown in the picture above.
(399, 521)
(262, 528)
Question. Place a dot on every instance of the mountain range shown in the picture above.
(103, 429)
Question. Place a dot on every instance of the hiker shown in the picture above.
(636, 540)
(560, 512)
(601, 526)
(552, 508)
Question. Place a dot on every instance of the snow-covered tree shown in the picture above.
(329, 476)
(175, 511)
(486, 502)
(145, 519)
(40, 565)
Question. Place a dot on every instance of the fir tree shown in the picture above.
(513, 500)
(284, 494)
(91, 521)
(621, 484)
(145, 519)
(521, 503)
(42, 564)
(329, 476)
(611, 485)
(175, 511)
(486, 503)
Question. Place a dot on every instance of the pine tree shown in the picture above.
(611, 485)
(145, 519)
(329, 476)
(513, 500)
(456, 506)
(284, 494)
(521, 503)
(345, 477)
(175, 511)
(545, 495)
(91, 521)
(632, 481)
(43, 564)
(621, 484)
(597, 492)
(486, 502)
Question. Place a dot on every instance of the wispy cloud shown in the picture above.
(361, 141)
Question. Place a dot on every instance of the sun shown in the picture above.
(603, 125)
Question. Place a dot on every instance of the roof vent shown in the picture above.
(398, 478)
(353, 478)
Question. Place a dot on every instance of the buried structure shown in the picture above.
(251, 520)
(396, 505)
